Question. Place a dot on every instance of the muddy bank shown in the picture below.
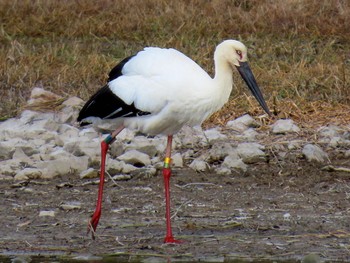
(276, 210)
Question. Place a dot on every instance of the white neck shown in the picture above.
(223, 80)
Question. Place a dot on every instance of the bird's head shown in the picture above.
(234, 53)
(231, 51)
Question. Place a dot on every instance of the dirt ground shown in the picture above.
(275, 211)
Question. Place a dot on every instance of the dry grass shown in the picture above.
(299, 49)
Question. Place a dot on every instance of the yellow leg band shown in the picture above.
(167, 161)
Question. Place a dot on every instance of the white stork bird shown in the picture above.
(158, 91)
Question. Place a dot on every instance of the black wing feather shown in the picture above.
(107, 105)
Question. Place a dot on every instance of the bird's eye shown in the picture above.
(239, 53)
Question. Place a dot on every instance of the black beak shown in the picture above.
(248, 77)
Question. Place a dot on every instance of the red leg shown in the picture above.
(104, 149)
(169, 238)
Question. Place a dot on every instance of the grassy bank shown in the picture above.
(299, 49)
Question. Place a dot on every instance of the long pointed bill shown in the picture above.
(249, 78)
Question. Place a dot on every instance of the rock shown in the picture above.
(199, 165)
(135, 158)
(6, 150)
(40, 94)
(73, 102)
(28, 173)
(214, 134)
(222, 170)
(70, 206)
(242, 123)
(234, 163)
(68, 164)
(21, 157)
(330, 131)
(89, 173)
(115, 166)
(313, 153)
(191, 137)
(145, 145)
(47, 213)
(251, 152)
(121, 177)
(284, 126)
(219, 151)
(176, 160)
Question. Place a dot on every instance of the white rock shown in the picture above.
(234, 163)
(214, 134)
(47, 213)
(176, 160)
(69, 164)
(28, 173)
(89, 133)
(144, 145)
(21, 157)
(190, 137)
(6, 150)
(251, 152)
(135, 157)
(9, 168)
(222, 170)
(121, 177)
(284, 126)
(199, 165)
(313, 153)
(71, 205)
(89, 173)
(219, 151)
(330, 131)
(73, 102)
(242, 123)
(249, 134)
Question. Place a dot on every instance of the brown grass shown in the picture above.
(299, 49)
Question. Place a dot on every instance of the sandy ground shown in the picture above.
(276, 210)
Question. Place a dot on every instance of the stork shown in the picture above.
(158, 91)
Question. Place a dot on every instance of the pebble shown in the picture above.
(47, 213)
(284, 126)
(241, 124)
(314, 153)
(44, 145)
(135, 158)
(251, 152)
(199, 165)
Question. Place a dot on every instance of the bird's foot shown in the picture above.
(93, 223)
(172, 240)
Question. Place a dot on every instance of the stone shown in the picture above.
(144, 145)
(6, 150)
(242, 123)
(73, 205)
(28, 173)
(135, 158)
(219, 151)
(251, 152)
(214, 134)
(65, 165)
(190, 137)
(47, 213)
(199, 165)
(284, 126)
(176, 160)
(330, 131)
(234, 163)
(21, 157)
(314, 153)
(89, 173)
